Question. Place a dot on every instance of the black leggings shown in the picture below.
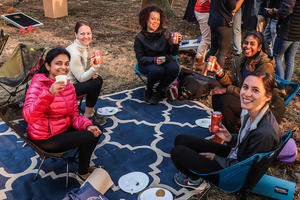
(221, 38)
(91, 88)
(84, 140)
(186, 157)
(230, 107)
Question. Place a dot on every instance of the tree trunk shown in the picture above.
(164, 4)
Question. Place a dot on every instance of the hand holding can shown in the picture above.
(216, 124)
(97, 57)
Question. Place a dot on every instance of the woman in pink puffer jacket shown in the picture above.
(50, 109)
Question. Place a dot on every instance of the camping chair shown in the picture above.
(3, 40)
(242, 177)
(15, 72)
(79, 100)
(19, 127)
(292, 88)
(142, 76)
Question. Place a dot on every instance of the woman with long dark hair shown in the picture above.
(226, 98)
(51, 111)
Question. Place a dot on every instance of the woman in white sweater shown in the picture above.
(83, 70)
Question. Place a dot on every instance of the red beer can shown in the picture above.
(175, 38)
(216, 121)
(211, 63)
(97, 57)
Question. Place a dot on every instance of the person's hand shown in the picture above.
(95, 76)
(159, 61)
(56, 87)
(208, 155)
(217, 67)
(218, 90)
(224, 134)
(92, 62)
(95, 130)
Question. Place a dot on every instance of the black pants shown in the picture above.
(165, 74)
(91, 88)
(84, 140)
(186, 157)
(230, 107)
(221, 38)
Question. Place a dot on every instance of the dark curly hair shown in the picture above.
(260, 39)
(145, 14)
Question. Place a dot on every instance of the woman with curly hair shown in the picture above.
(154, 49)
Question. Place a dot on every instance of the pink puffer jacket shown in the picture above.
(48, 115)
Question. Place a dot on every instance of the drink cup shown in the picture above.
(163, 58)
(217, 139)
(216, 121)
(211, 63)
(97, 57)
(63, 78)
(175, 38)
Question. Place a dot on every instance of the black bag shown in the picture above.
(195, 86)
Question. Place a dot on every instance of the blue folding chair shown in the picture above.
(242, 177)
(283, 83)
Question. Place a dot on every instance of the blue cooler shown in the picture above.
(275, 188)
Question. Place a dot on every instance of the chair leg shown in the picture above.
(37, 173)
(67, 178)
(205, 192)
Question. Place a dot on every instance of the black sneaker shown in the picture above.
(150, 98)
(159, 95)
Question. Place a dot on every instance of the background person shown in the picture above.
(83, 71)
(258, 134)
(226, 99)
(150, 45)
(51, 112)
(220, 21)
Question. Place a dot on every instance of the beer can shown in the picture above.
(97, 57)
(216, 121)
(211, 63)
(175, 38)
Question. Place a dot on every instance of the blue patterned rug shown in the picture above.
(138, 138)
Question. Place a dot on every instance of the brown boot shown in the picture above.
(199, 64)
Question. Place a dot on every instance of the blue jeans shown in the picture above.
(237, 32)
(165, 74)
(286, 49)
(270, 35)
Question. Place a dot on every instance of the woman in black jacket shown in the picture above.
(258, 134)
(153, 47)
(220, 21)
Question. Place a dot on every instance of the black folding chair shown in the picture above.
(19, 127)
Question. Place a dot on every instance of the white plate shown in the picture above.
(150, 194)
(107, 111)
(133, 182)
(204, 122)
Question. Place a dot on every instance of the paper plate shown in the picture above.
(156, 193)
(204, 122)
(133, 182)
(107, 111)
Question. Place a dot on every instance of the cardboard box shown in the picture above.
(55, 8)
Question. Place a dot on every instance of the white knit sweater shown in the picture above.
(80, 69)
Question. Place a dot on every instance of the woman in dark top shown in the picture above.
(153, 47)
(226, 98)
(220, 22)
(258, 134)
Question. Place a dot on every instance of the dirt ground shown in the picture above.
(115, 24)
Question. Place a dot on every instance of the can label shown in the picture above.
(97, 57)
(211, 63)
(216, 121)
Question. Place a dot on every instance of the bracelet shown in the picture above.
(220, 70)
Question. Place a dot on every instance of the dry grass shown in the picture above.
(115, 26)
